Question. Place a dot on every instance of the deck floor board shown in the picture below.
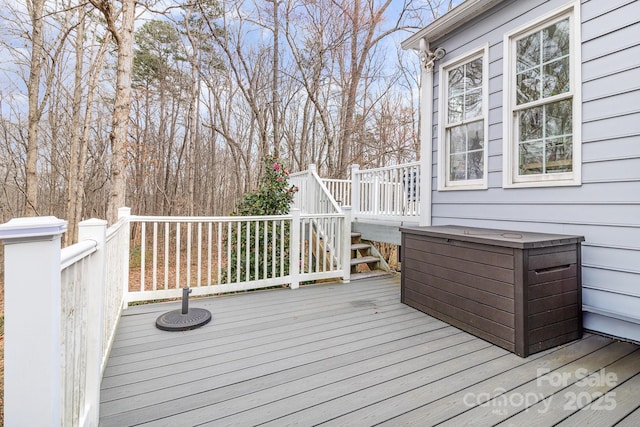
(345, 354)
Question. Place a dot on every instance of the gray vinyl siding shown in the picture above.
(606, 207)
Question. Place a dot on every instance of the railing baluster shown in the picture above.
(178, 255)
(154, 273)
(273, 249)
(247, 262)
(188, 263)
(238, 251)
(257, 252)
(219, 253)
(166, 254)
(199, 268)
(209, 243)
(142, 253)
(282, 237)
(310, 245)
(265, 254)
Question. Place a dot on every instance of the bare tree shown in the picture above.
(123, 36)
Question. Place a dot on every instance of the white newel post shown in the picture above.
(294, 249)
(124, 213)
(346, 245)
(32, 329)
(355, 190)
(312, 204)
(96, 230)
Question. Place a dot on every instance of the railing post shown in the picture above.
(294, 249)
(124, 213)
(96, 230)
(346, 245)
(355, 190)
(32, 329)
(311, 190)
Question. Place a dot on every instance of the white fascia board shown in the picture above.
(458, 16)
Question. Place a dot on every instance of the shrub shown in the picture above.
(273, 196)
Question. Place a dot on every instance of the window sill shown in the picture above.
(538, 184)
(464, 187)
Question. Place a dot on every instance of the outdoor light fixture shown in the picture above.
(428, 57)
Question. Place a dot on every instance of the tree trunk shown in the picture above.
(74, 161)
(33, 90)
(274, 83)
(122, 101)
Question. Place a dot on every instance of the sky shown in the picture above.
(12, 89)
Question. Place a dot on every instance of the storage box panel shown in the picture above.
(423, 275)
(503, 289)
(553, 316)
(444, 294)
(503, 338)
(477, 269)
(463, 251)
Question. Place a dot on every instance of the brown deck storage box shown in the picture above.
(518, 290)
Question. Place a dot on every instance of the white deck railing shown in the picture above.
(389, 193)
(340, 189)
(313, 196)
(226, 254)
(62, 307)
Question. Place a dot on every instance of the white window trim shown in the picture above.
(510, 153)
(477, 184)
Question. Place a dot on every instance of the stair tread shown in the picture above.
(364, 259)
(355, 246)
(370, 274)
(355, 234)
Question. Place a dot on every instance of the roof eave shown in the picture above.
(458, 16)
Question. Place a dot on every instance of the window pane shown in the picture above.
(457, 140)
(528, 86)
(456, 106)
(558, 118)
(555, 78)
(457, 167)
(456, 81)
(466, 151)
(473, 104)
(475, 135)
(474, 74)
(559, 153)
(528, 52)
(530, 124)
(476, 165)
(530, 158)
(543, 70)
(556, 40)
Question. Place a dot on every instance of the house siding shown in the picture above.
(606, 207)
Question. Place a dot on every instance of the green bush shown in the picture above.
(273, 196)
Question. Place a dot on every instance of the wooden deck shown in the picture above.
(352, 354)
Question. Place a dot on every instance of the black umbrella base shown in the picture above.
(176, 321)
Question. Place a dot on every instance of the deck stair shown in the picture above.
(366, 261)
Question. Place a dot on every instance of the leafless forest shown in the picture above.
(168, 107)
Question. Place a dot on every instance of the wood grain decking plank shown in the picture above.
(168, 388)
(344, 354)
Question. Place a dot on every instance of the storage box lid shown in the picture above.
(489, 236)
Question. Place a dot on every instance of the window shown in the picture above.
(463, 134)
(542, 143)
